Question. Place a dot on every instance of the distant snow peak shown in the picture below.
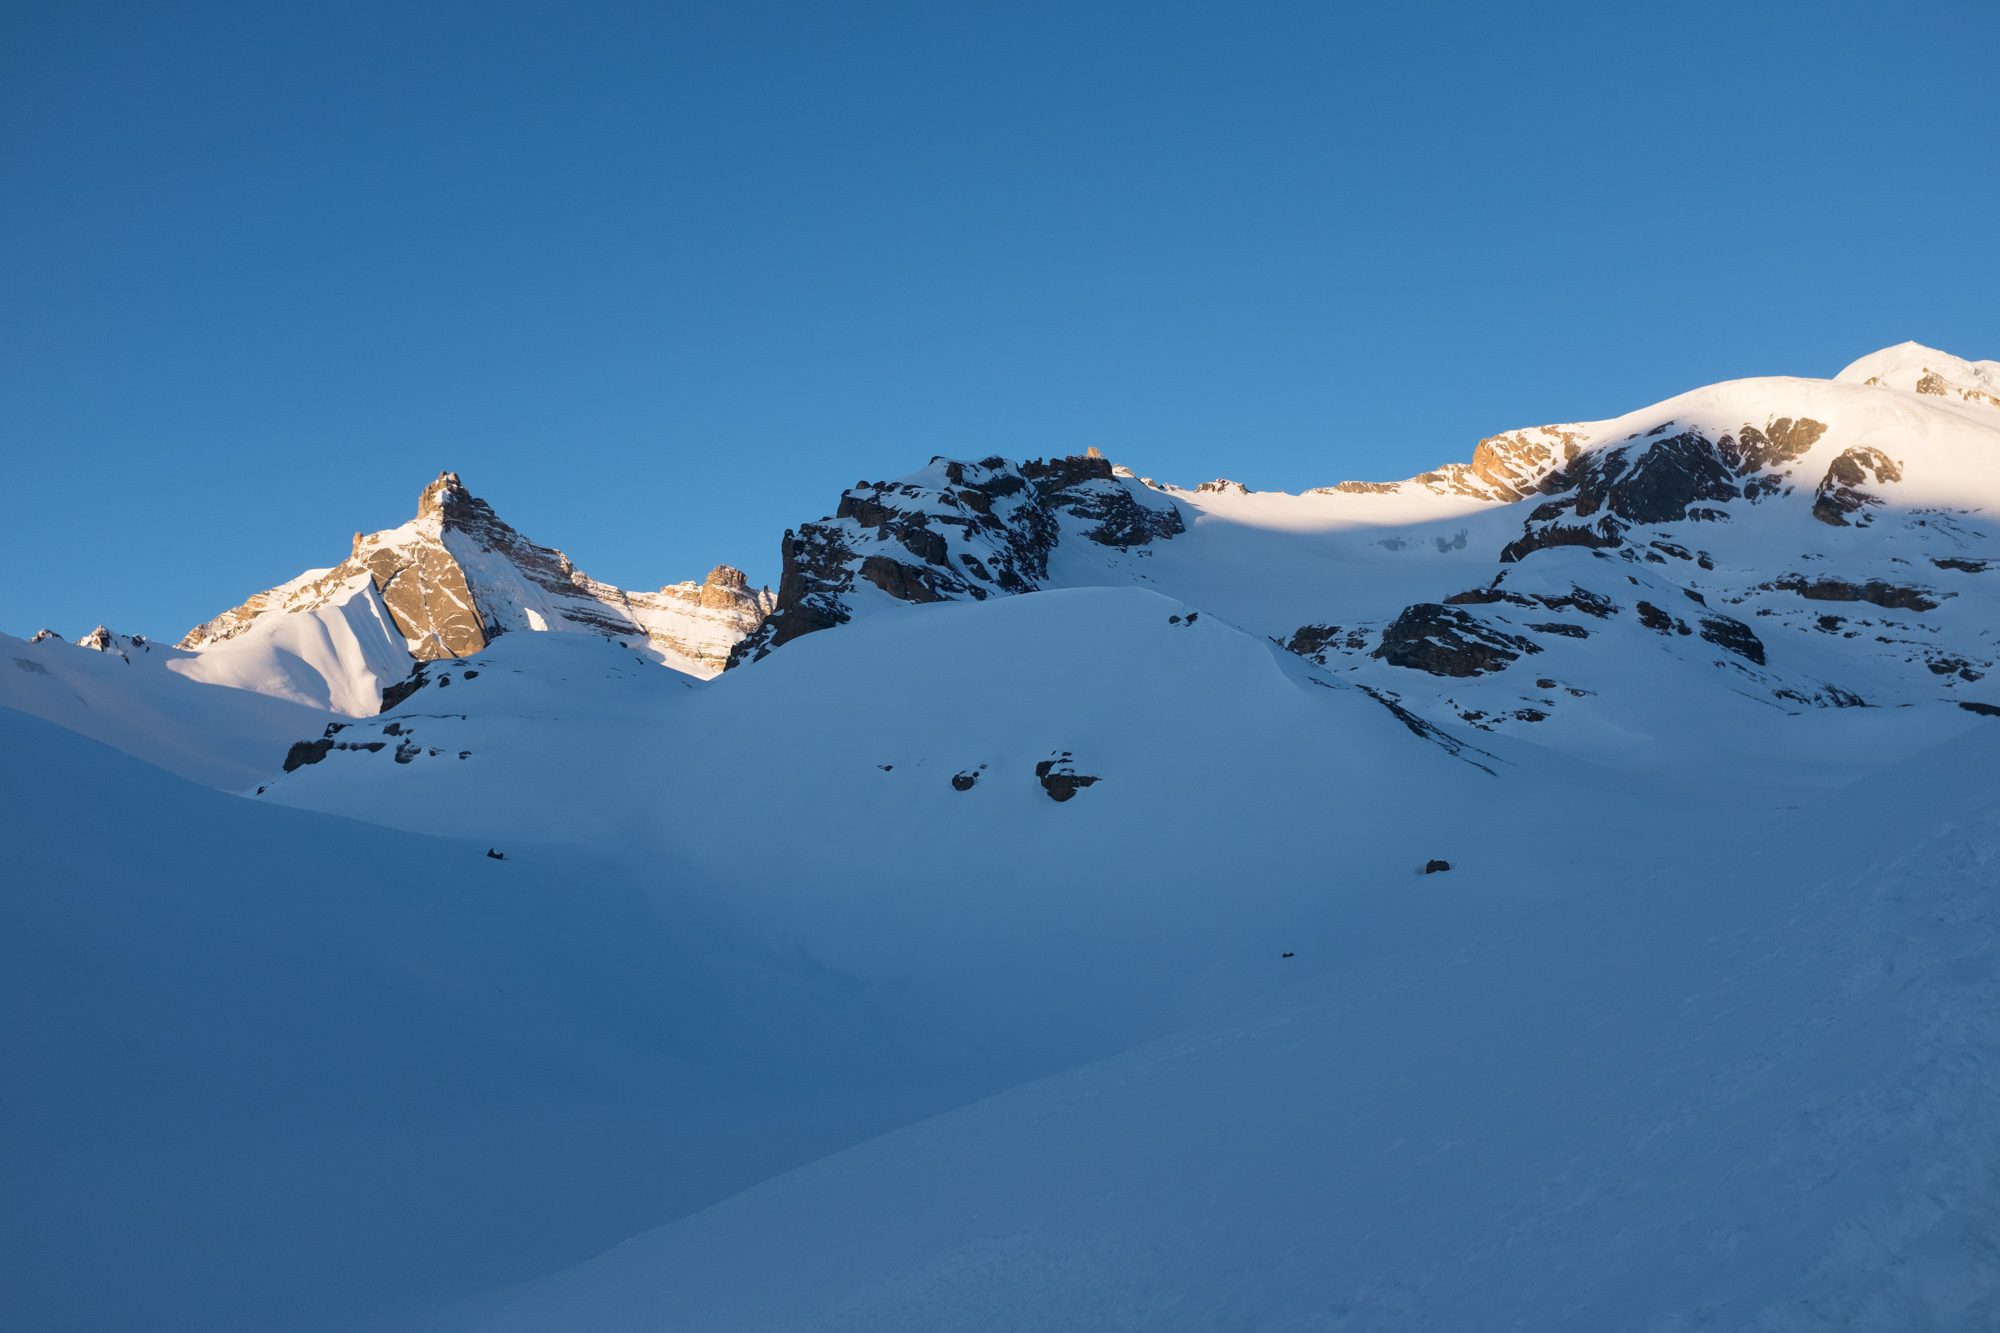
(105, 640)
(1915, 368)
(456, 576)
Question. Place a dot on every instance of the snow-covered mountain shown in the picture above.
(441, 586)
(1926, 370)
(1773, 543)
(1545, 891)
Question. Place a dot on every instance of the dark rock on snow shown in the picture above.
(1060, 779)
(1445, 641)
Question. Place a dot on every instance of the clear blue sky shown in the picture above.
(660, 280)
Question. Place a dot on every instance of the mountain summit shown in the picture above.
(456, 576)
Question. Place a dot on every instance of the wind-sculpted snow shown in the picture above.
(338, 653)
(135, 695)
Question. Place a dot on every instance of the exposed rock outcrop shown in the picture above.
(1316, 641)
(1841, 492)
(955, 531)
(1876, 592)
(1059, 777)
(304, 753)
(110, 641)
(1661, 479)
(1446, 641)
(1733, 636)
(1504, 467)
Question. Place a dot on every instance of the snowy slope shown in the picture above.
(1756, 1089)
(760, 943)
(131, 695)
(338, 653)
(538, 736)
(867, 801)
(268, 1069)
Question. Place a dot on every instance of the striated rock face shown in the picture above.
(1509, 466)
(456, 575)
(955, 531)
(1512, 466)
(702, 622)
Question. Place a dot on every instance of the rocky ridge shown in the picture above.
(457, 575)
(955, 531)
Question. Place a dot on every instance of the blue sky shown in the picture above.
(660, 280)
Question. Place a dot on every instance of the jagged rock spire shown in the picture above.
(457, 575)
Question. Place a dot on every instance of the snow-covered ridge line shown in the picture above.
(1802, 543)
(1512, 464)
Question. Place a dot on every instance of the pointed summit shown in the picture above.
(107, 640)
(456, 575)
(446, 492)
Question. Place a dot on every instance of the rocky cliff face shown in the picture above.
(956, 530)
(456, 575)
